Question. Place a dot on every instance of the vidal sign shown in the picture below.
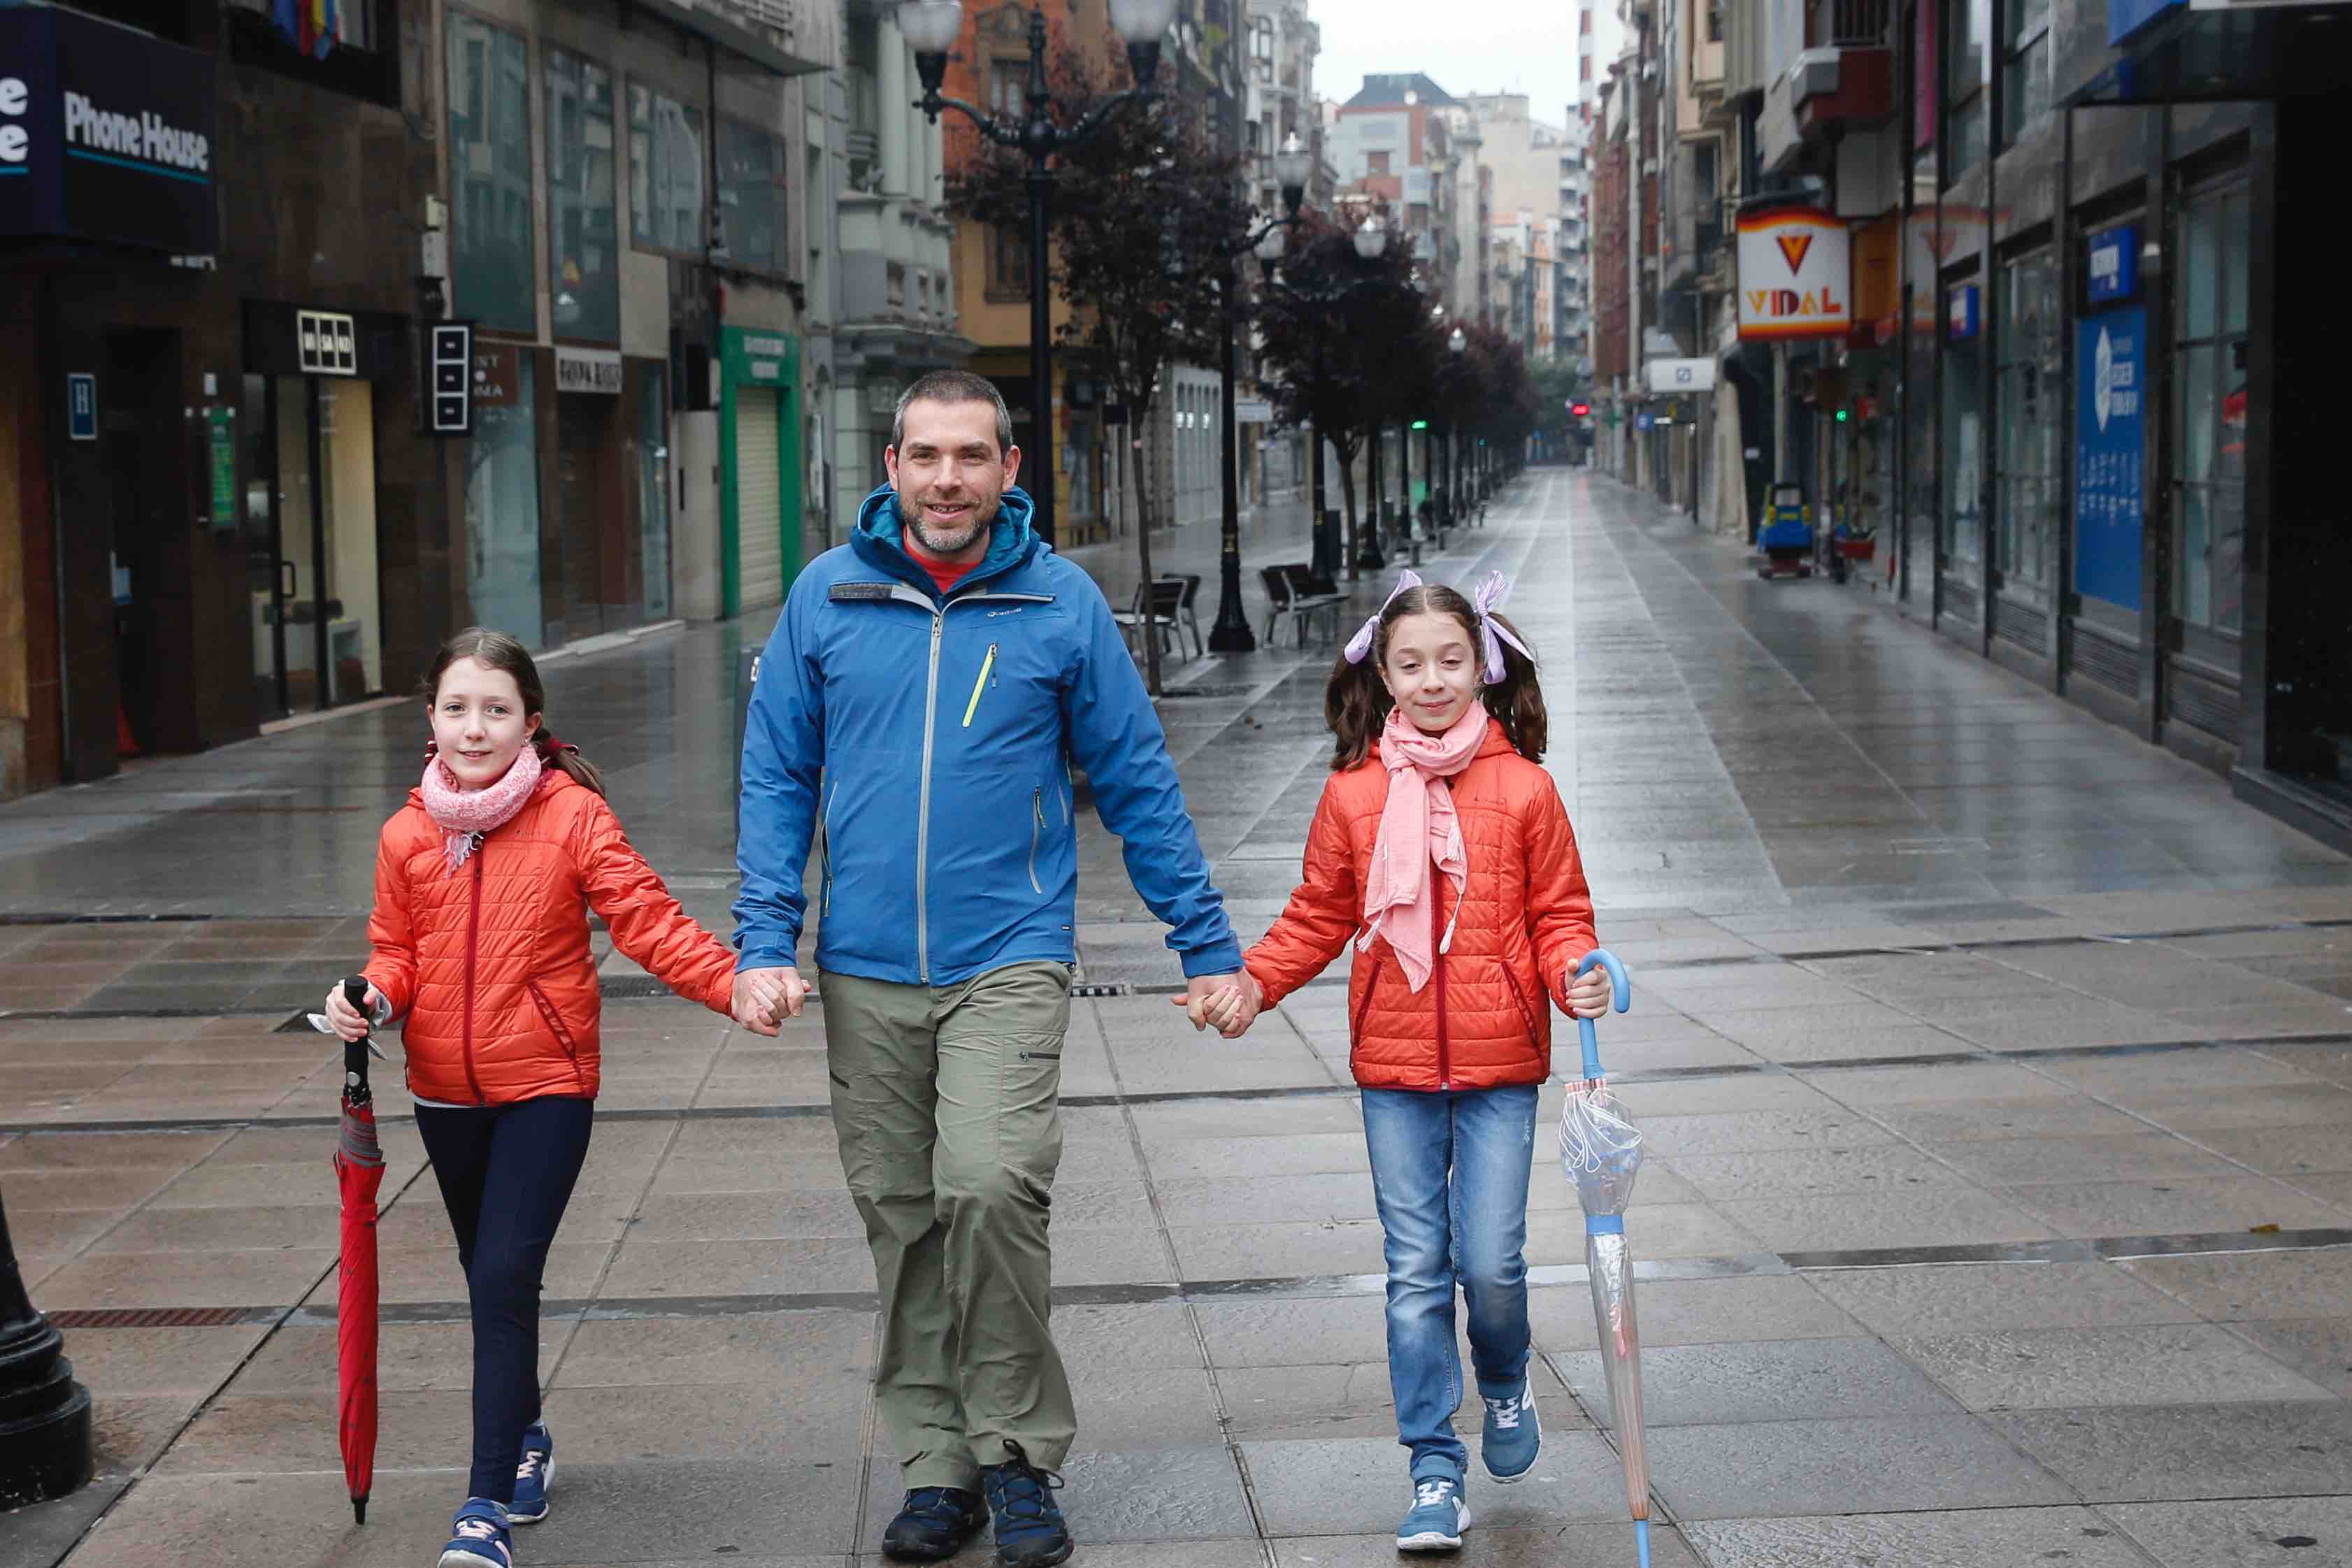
(1795, 275)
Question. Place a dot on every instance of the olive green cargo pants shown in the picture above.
(945, 1100)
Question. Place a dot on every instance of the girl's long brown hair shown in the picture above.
(497, 651)
(1357, 703)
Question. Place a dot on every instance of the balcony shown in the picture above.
(1846, 74)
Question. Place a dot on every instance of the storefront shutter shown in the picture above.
(759, 499)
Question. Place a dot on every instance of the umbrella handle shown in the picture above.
(1621, 996)
(355, 1051)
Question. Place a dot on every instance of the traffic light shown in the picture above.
(1579, 409)
(1840, 416)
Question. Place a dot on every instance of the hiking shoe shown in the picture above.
(1437, 1518)
(934, 1522)
(478, 1538)
(1512, 1438)
(533, 1476)
(1030, 1532)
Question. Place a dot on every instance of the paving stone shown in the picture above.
(2260, 1532)
(2178, 1206)
(2176, 1364)
(2319, 1348)
(1786, 1381)
(1341, 1486)
(1789, 1173)
(1888, 1463)
(2231, 1285)
(1918, 1216)
(753, 1350)
(1985, 1297)
(1168, 1493)
(2162, 1453)
(1978, 1538)
(1700, 1311)
(1489, 1548)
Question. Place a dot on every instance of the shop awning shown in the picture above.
(2219, 51)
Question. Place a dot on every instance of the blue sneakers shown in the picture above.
(533, 1476)
(1437, 1518)
(1030, 1532)
(1512, 1437)
(478, 1537)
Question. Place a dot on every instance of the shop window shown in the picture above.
(653, 486)
(583, 217)
(1962, 543)
(2032, 415)
(502, 501)
(751, 196)
(666, 172)
(1968, 79)
(2209, 447)
(492, 267)
(2025, 69)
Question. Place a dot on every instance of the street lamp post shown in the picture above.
(1457, 344)
(45, 1420)
(931, 28)
(1232, 633)
(1372, 239)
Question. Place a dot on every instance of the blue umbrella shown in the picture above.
(1600, 1151)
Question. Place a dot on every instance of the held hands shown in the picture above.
(349, 1024)
(1588, 994)
(1226, 1003)
(765, 998)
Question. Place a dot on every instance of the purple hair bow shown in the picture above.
(1493, 634)
(1361, 642)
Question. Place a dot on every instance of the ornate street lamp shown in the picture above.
(931, 28)
(1232, 633)
(1456, 343)
(45, 1419)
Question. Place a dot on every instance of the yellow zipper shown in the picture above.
(980, 686)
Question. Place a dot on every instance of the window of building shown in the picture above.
(894, 284)
(583, 217)
(2209, 380)
(1376, 162)
(1262, 49)
(666, 172)
(751, 197)
(2025, 68)
(2029, 479)
(861, 71)
(1008, 87)
(492, 267)
(1962, 541)
(1714, 21)
(1967, 77)
(1008, 262)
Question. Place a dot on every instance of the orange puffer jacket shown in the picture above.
(491, 963)
(1483, 1019)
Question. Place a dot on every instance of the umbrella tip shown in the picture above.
(1642, 1540)
(358, 1516)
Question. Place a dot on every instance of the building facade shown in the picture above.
(228, 325)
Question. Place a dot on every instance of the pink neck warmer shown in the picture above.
(1419, 828)
(461, 813)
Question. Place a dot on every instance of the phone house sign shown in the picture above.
(105, 134)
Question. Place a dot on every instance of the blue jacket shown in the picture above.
(931, 742)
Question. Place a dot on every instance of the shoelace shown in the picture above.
(1023, 1487)
(1430, 1493)
(933, 1501)
(1505, 1413)
(531, 1462)
(473, 1527)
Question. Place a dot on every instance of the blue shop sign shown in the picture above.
(2126, 18)
(1964, 314)
(105, 133)
(1643, 421)
(2110, 398)
(2113, 266)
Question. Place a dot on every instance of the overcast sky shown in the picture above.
(1464, 46)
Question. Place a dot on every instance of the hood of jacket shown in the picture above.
(878, 540)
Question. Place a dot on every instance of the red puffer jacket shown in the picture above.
(1484, 1018)
(490, 961)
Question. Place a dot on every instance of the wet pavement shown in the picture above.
(1996, 1070)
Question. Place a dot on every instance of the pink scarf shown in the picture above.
(461, 813)
(1419, 828)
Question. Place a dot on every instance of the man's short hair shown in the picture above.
(954, 386)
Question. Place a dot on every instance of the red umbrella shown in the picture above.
(358, 1172)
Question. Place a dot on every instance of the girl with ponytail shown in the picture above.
(479, 943)
(1441, 853)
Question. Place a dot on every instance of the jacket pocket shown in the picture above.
(1364, 1007)
(1036, 836)
(825, 829)
(546, 1006)
(1528, 1014)
(987, 668)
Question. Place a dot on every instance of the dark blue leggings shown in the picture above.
(505, 1172)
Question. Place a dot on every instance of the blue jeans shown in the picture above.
(1450, 1174)
(506, 1173)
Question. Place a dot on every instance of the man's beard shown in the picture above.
(949, 544)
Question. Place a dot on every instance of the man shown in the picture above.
(919, 705)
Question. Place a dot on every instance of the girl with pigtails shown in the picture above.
(1442, 852)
